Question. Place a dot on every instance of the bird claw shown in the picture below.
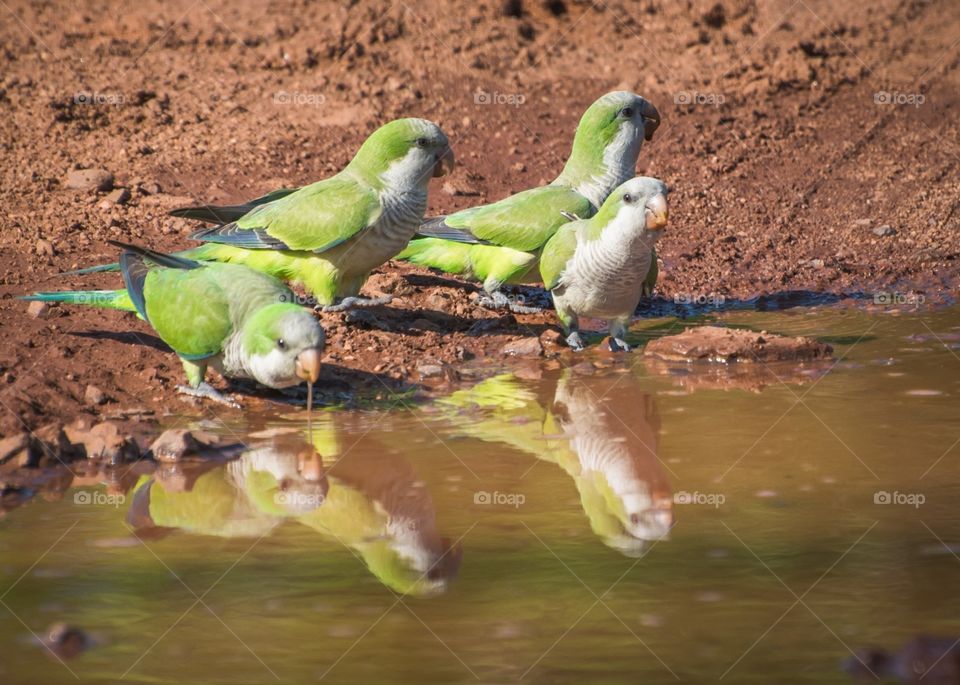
(207, 391)
(356, 303)
(499, 301)
(619, 345)
(575, 342)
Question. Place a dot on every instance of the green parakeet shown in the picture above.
(500, 243)
(597, 267)
(329, 235)
(243, 323)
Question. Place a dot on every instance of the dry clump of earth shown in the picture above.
(811, 155)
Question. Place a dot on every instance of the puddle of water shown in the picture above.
(593, 525)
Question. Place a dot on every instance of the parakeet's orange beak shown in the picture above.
(310, 465)
(656, 213)
(444, 164)
(651, 120)
(308, 364)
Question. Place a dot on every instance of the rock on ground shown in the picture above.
(713, 343)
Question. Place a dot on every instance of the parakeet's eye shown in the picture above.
(281, 344)
(628, 198)
(422, 142)
(627, 112)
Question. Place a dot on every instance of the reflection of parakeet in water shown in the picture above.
(614, 463)
(247, 497)
(378, 507)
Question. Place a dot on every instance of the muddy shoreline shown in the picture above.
(799, 173)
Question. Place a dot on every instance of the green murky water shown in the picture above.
(624, 525)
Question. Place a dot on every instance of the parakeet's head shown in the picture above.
(282, 345)
(404, 153)
(637, 208)
(607, 143)
(279, 478)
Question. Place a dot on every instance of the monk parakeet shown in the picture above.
(598, 267)
(500, 243)
(329, 235)
(241, 322)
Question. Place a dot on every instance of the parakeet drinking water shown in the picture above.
(241, 322)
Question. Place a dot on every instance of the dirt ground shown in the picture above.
(812, 147)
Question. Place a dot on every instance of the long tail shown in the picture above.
(446, 255)
(225, 214)
(199, 252)
(109, 299)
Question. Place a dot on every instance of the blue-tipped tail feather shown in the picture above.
(109, 299)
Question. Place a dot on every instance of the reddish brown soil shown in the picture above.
(778, 188)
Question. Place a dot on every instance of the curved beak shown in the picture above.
(656, 212)
(651, 120)
(308, 364)
(444, 163)
(310, 465)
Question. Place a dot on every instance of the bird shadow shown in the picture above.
(128, 338)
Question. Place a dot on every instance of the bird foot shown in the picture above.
(619, 345)
(575, 342)
(207, 391)
(356, 303)
(499, 301)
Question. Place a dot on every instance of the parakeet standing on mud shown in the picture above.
(597, 267)
(329, 235)
(241, 322)
(500, 243)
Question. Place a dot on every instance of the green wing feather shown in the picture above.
(650, 282)
(524, 221)
(174, 296)
(317, 217)
(557, 252)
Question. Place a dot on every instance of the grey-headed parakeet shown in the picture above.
(500, 243)
(598, 267)
(241, 322)
(329, 235)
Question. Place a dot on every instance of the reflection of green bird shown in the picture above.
(329, 235)
(500, 243)
(239, 321)
(378, 507)
(616, 470)
(246, 498)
